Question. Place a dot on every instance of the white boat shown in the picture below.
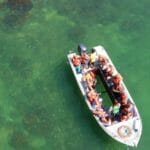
(127, 132)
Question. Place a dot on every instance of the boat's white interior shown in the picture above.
(134, 124)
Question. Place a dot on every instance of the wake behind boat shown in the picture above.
(121, 120)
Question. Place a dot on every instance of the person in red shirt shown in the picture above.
(117, 79)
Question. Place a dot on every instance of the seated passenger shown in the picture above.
(124, 102)
(85, 84)
(106, 120)
(99, 112)
(93, 74)
(76, 60)
(126, 111)
(128, 107)
(117, 79)
(93, 97)
(118, 88)
(90, 79)
(108, 70)
(103, 60)
(125, 115)
(123, 96)
(85, 59)
(103, 115)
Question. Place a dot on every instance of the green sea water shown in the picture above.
(41, 107)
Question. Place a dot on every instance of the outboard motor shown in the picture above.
(81, 48)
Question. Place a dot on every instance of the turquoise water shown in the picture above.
(41, 107)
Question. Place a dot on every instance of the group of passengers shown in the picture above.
(122, 107)
(95, 100)
(84, 64)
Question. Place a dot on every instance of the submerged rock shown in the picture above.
(20, 5)
(11, 19)
(38, 121)
(18, 140)
(20, 66)
(18, 12)
(77, 33)
(131, 24)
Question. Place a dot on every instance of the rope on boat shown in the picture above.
(124, 131)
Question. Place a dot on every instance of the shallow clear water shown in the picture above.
(41, 107)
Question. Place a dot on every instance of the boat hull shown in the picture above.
(127, 132)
